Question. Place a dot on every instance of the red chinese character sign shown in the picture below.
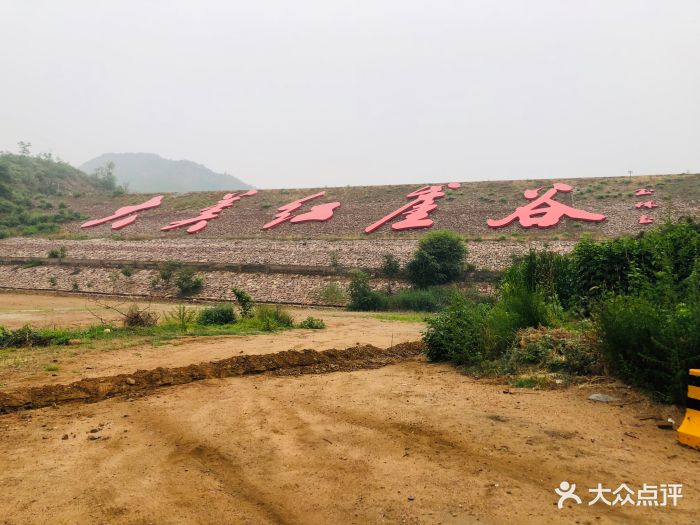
(201, 221)
(544, 211)
(647, 204)
(415, 212)
(318, 213)
(126, 215)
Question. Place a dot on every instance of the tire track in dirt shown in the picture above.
(141, 382)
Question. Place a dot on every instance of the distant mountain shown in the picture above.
(149, 173)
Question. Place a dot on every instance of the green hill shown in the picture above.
(150, 173)
(31, 189)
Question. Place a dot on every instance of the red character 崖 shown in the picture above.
(415, 212)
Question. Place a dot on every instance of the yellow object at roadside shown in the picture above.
(689, 431)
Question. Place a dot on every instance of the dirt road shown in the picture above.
(409, 443)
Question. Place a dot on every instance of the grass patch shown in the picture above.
(406, 317)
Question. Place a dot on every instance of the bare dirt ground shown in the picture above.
(27, 367)
(409, 443)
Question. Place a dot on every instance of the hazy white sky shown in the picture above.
(316, 92)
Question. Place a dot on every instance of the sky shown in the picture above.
(307, 93)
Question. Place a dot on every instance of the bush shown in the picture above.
(439, 259)
(187, 282)
(57, 253)
(137, 317)
(181, 316)
(574, 352)
(245, 302)
(32, 263)
(331, 293)
(457, 333)
(127, 270)
(272, 318)
(220, 314)
(25, 336)
(649, 344)
(391, 268)
(312, 323)
(167, 269)
(362, 297)
(430, 299)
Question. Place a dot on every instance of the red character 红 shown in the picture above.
(544, 211)
(126, 215)
(415, 212)
(318, 213)
(198, 223)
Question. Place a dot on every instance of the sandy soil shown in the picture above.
(27, 367)
(409, 443)
(413, 442)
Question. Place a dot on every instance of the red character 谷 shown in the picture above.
(415, 212)
(125, 215)
(544, 211)
(198, 223)
(642, 192)
(318, 213)
(645, 219)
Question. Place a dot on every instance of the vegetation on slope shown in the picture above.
(636, 299)
(31, 188)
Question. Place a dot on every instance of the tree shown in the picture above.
(105, 178)
(24, 147)
(5, 180)
(439, 259)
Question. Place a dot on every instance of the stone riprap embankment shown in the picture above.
(486, 255)
(263, 287)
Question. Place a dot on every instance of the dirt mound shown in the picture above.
(290, 362)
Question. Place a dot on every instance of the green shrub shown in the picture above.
(127, 270)
(272, 318)
(439, 259)
(362, 297)
(220, 314)
(25, 336)
(57, 253)
(430, 299)
(181, 316)
(312, 323)
(331, 293)
(187, 282)
(167, 269)
(391, 268)
(245, 302)
(32, 263)
(574, 352)
(457, 333)
(649, 344)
